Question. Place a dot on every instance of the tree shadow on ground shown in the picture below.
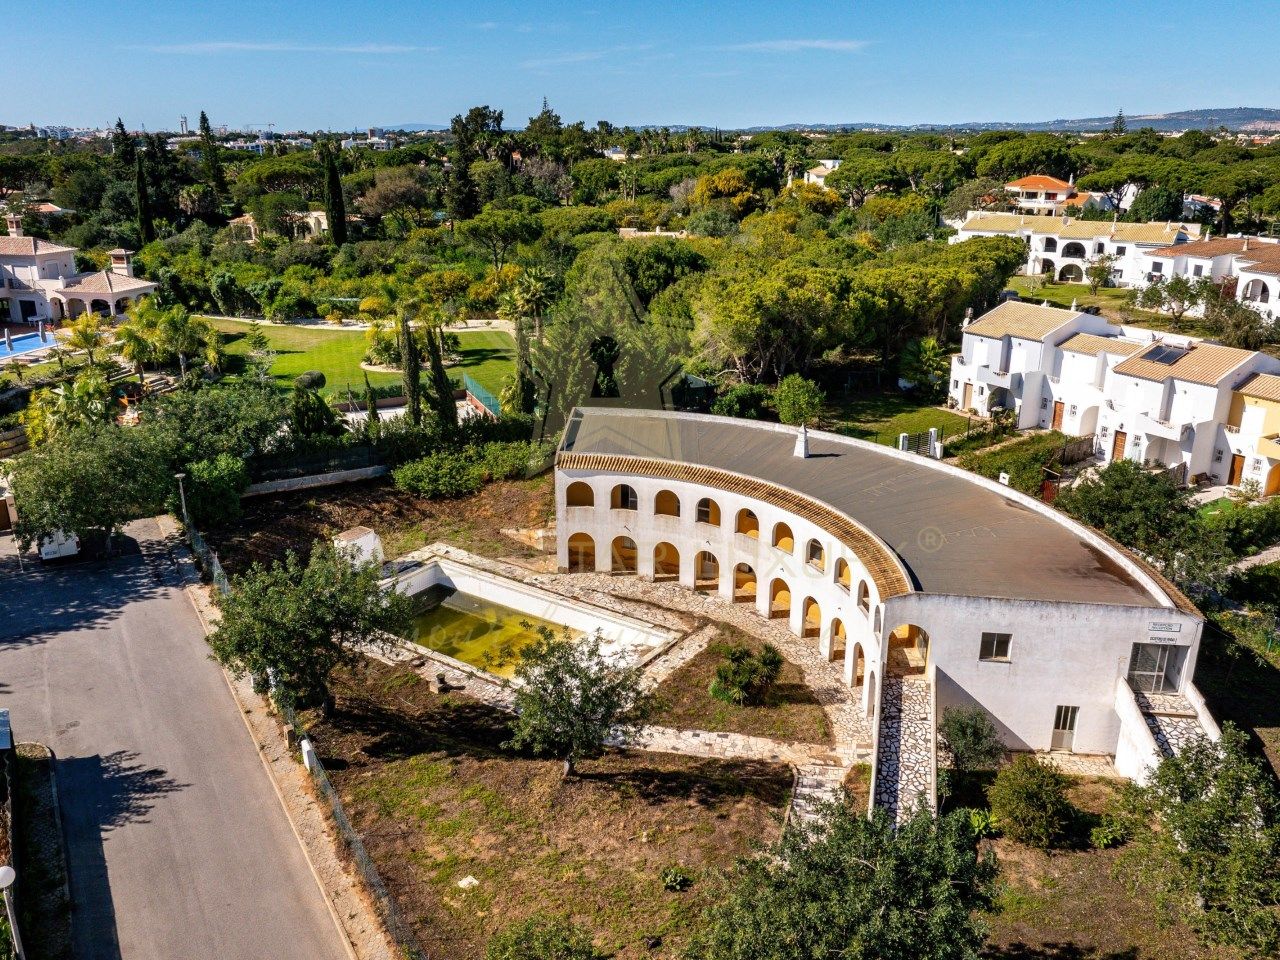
(1057, 951)
(792, 693)
(123, 791)
(703, 781)
(455, 726)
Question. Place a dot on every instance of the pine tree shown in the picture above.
(1118, 125)
(142, 198)
(123, 150)
(335, 206)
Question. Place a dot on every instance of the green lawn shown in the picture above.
(487, 355)
(880, 417)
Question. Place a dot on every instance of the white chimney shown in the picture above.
(121, 262)
(968, 317)
(14, 223)
(802, 443)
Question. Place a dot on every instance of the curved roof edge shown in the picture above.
(1156, 584)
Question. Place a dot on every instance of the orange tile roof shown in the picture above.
(1038, 181)
(1203, 363)
(104, 281)
(1018, 318)
(1262, 258)
(29, 247)
(1261, 386)
(1216, 247)
(1093, 344)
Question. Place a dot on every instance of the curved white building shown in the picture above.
(933, 586)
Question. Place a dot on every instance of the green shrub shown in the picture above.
(309, 380)
(441, 476)
(971, 737)
(676, 879)
(510, 461)
(213, 490)
(745, 677)
(983, 823)
(1029, 803)
(799, 401)
(1024, 461)
(542, 938)
(749, 401)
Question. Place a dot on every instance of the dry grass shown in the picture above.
(273, 525)
(791, 712)
(436, 799)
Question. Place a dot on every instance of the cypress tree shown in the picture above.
(210, 159)
(372, 426)
(335, 206)
(142, 198)
(441, 386)
(411, 367)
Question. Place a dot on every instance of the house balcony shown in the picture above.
(995, 378)
(1269, 446)
(1160, 428)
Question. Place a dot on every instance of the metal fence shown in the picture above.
(324, 461)
(406, 940)
(480, 393)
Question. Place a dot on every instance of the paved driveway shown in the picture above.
(178, 845)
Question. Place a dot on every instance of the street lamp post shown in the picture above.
(182, 495)
(7, 876)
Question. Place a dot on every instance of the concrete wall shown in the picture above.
(1136, 752)
(315, 480)
(1060, 653)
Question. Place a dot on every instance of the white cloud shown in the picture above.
(242, 46)
(796, 46)
(581, 56)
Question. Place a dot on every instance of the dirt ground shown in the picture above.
(791, 712)
(436, 799)
(1070, 905)
(271, 526)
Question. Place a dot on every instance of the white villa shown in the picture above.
(1040, 194)
(39, 280)
(818, 175)
(932, 586)
(1250, 264)
(1147, 396)
(1063, 247)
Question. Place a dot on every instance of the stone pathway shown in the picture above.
(1172, 720)
(1082, 764)
(904, 764)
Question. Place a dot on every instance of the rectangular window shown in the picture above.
(1198, 270)
(1120, 251)
(1157, 267)
(995, 646)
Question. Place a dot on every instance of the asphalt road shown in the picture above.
(178, 845)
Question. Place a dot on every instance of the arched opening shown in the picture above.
(1047, 266)
(908, 650)
(706, 571)
(859, 666)
(1071, 273)
(579, 494)
(1073, 249)
(783, 539)
(811, 622)
(666, 562)
(779, 599)
(815, 556)
(582, 553)
(878, 623)
(122, 305)
(708, 512)
(748, 525)
(1050, 244)
(100, 306)
(666, 504)
(623, 497)
(744, 583)
(864, 597)
(844, 576)
(871, 694)
(1255, 291)
(838, 640)
(624, 555)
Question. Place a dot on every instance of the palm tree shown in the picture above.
(139, 337)
(184, 336)
(89, 334)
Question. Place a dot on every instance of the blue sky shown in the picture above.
(340, 64)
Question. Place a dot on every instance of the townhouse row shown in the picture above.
(1209, 412)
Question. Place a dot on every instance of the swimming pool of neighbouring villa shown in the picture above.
(483, 634)
(24, 343)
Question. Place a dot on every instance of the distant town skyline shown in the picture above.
(331, 65)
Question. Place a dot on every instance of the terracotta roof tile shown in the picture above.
(1038, 181)
(104, 281)
(29, 247)
(1261, 386)
(1204, 363)
(1017, 318)
(1093, 345)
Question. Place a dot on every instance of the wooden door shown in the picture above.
(1237, 469)
(1117, 445)
(968, 397)
(1057, 415)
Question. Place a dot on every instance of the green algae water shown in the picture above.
(475, 631)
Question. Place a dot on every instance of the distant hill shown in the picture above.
(1253, 119)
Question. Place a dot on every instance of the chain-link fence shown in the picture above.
(396, 925)
(208, 560)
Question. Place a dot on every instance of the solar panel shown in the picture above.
(1166, 353)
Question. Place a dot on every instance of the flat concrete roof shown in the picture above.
(956, 534)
